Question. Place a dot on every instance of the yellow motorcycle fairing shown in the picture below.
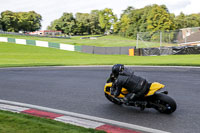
(124, 91)
(155, 86)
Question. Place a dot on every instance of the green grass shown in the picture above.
(104, 41)
(22, 123)
(13, 55)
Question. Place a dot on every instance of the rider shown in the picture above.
(137, 86)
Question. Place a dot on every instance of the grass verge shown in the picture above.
(104, 41)
(15, 55)
(22, 123)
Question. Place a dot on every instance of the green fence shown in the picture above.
(30, 42)
(54, 45)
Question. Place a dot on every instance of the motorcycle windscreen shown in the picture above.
(154, 87)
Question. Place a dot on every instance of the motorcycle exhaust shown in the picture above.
(165, 92)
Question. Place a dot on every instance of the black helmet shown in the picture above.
(117, 68)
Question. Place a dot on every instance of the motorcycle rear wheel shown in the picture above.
(111, 99)
(164, 104)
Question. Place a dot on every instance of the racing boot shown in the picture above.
(126, 101)
(142, 105)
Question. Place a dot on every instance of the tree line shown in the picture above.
(151, 18)
(95, 22)
(20, 21)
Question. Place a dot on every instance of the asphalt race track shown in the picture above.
(80, 90)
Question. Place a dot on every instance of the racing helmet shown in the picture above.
(117, 68)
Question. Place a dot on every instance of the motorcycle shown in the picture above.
(153, 99)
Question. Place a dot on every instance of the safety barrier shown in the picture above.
(168, 51)
(106, 50)
(69, 47)
(40, 43)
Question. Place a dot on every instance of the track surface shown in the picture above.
(80, 90)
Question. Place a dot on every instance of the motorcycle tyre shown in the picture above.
(165, 100)
(111, 99)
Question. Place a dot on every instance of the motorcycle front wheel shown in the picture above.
(111, 99)
(164, 103)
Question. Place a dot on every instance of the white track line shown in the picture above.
(12, 108)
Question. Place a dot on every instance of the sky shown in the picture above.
(53, 9)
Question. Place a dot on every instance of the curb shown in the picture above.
(67, 119)
(86, 121)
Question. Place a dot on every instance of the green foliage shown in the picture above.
(82, 23)
(29, 21)
(184, 21)
(132, 21)
(159, 20)
(66, 23)
(123, 24)
(107, 19)
(94, 22)
(20, 21)
(151, 19)
(9, 21)
(1, 26)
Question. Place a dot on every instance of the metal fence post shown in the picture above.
(137, 41)
(160, 38)
(185, 38)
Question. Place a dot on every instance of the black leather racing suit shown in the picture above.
(137, 86)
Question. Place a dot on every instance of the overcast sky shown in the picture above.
(53, 9)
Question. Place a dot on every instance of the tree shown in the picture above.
(9, 21)
(132, 21)
(94, 22)
(122, 25)
(127, 11)
(159, 19)
(34, 20)
(55, 25)
(193, 20)
(66, 23)
(20, 21)
(1, 26)
(106, 19)
(180, 21)
(83, 23)
(29, 21)
(184, 21)
(148, 19)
